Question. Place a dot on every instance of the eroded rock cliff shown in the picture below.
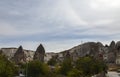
(108, 53)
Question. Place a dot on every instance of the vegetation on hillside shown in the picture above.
(7, 68)
(83, 67)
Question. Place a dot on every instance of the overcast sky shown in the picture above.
(58, 24)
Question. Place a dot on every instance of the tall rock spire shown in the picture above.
(19, 56)
(39, 54)
(112, 45)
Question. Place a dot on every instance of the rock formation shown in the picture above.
(48, 56)
(112, 45)
(89, 48)
(108, 53)
(19, 56)
(118, 52)
(40, 53)
(111, 54)
(9, 52)
(95, 49)
(118, 46)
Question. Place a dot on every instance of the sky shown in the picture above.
(58, 24)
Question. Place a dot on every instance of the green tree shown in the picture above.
(84, 65)
(7, 68)
(37, 69)
(90, 66)
(66, 66)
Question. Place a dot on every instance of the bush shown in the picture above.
(75, 73)
(90, 66)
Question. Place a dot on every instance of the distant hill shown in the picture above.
(108, 53)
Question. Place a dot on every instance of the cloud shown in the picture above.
(6, 29)
(103, 22)
(105, 4)
(54, 22)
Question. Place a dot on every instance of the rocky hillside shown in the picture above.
(108, 53)
(15, 53)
